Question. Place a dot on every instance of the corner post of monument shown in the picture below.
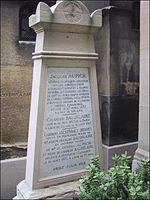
(64, 125)
(143, 130)
(39, 23)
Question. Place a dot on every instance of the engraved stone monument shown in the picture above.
(64, 129)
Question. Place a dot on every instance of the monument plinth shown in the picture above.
(64, 129)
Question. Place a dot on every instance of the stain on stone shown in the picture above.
(129, 88)
(13, 152)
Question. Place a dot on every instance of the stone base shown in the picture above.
(139, 155)
(110, 151)
(12, 172)
(61, 191)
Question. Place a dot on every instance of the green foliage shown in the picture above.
(119, 183)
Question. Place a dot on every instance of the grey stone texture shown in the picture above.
(118, 72)
(16, 76)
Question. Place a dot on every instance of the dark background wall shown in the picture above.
(117, 43)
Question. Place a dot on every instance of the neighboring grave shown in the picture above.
(64, 129)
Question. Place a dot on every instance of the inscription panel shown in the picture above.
(68, 134)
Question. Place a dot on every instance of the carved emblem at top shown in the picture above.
(72, 11)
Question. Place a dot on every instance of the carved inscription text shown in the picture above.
(68, 134)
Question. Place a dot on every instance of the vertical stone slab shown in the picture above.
(118, 71)
(117, 42)
(143, 143)
(64, 129)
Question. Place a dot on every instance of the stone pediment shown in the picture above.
(65, 12)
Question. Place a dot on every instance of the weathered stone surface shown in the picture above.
(118, 76)
(64, 193)
(15, 151)
(59, 191)
(16, 75)
(15, 102)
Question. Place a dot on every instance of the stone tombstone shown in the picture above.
(64, 128)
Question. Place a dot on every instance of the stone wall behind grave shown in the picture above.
(16, 80)
(16, 77)
(117, 43)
